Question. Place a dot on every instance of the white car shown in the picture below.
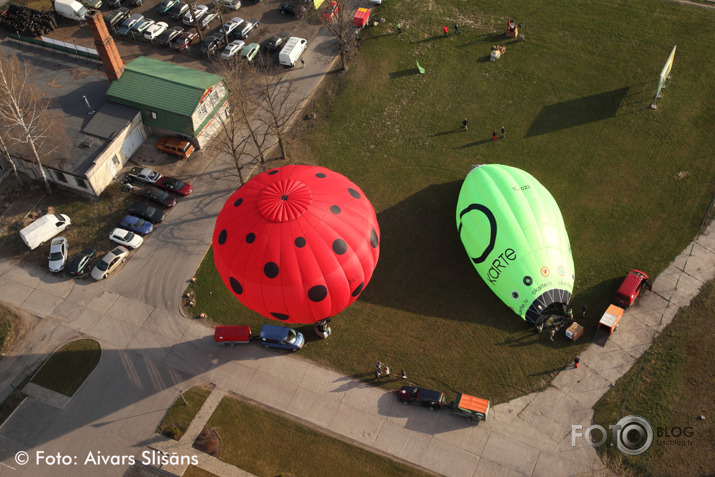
(232, 49)
(143, 25)
(144, 174)
(232, 24)
(58, 254)
(199, 12)
(109, 263)
(126, 238)
(155, 30)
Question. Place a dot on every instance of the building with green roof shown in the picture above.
(173, 99)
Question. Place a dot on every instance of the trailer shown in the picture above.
(362, 16)
(611, 319)
(232, 335)
(471, 408)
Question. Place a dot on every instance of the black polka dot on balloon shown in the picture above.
(271, 269)
(357, 291)
(222, 237)
(528, 280)
(373, 238)
(274, 171)
(235, 286)
(335, 209)
(280, 316)
(354, 193)
(238, 202)
(340, 247)
(300, 242)
(317, 293)
(320, 175)
(250, 237)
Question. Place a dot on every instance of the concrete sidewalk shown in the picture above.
(158, 351)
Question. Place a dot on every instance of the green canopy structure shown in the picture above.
(513, 232)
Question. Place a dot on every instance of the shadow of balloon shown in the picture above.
(424, 268)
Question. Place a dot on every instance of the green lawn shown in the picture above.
(68, 367)
(267, 444)
(179, 416)
(633, 184)
(673, 387)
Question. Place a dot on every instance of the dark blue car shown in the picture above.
(137, 225)
(273, 336)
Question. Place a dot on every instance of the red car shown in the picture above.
(631, 288)
(174, 185)
(330, 11)
(185, 39)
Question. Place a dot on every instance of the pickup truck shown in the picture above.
(144, 174)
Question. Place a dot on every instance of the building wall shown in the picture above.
(159, 118)
(105, 167)
(210, 105)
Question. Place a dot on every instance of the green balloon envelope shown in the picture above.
(513, 232)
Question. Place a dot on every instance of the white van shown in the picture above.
(43, 229)
(292, 50)
(71, 9)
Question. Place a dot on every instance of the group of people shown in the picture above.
(385, 369)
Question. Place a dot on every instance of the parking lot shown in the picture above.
(132, 46)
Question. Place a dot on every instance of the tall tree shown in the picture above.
(27, 123)
(340, 24)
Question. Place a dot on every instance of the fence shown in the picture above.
(58, 45)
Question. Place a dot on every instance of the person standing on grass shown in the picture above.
(399, 30)
(494, 135)
(503, 132)
(387, 371)
(465, 123)
(446, 31)
(456, 29)
(551, 334)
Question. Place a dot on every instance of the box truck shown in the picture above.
(43, 229)
(71, 9)
(292, 50)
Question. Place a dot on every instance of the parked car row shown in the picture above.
(130, 234)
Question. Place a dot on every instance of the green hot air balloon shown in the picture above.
(515, 236)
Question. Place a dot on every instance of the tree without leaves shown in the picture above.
(341, 27)
(26, 122)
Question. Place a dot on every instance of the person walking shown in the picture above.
(378, 365)
(404, 374)
(494, 135)
(551, 334)
(399, 30)
(377, 375)
(576, 360)
(302, 63)
(503, 132)
(387, 371)
(456, 29)
(446, 31)
(465, 123)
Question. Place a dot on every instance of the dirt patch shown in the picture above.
(208, 442)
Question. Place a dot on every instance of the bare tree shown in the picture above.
(340, 25)
(7, 155)
(28, 126)
(277, 102)
(192, 10)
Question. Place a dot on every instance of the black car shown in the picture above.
(247, 26)
(179, 10)
(275, 43)
(421, 397)
(136, 3)
(159, 196)
(292, 8)
(80, 263)
(114, 3)
(169, 35)
(116, 17)
(146, 212)
(211, 44)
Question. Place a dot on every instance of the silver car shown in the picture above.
(109, 263)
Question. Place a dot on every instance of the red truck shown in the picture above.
(232, 335)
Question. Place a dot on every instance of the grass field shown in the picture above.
(68, 367)
(179, 416)
(266, 444)
(633, 184)
(673, 387)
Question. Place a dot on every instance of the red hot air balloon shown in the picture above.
(297, 243)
